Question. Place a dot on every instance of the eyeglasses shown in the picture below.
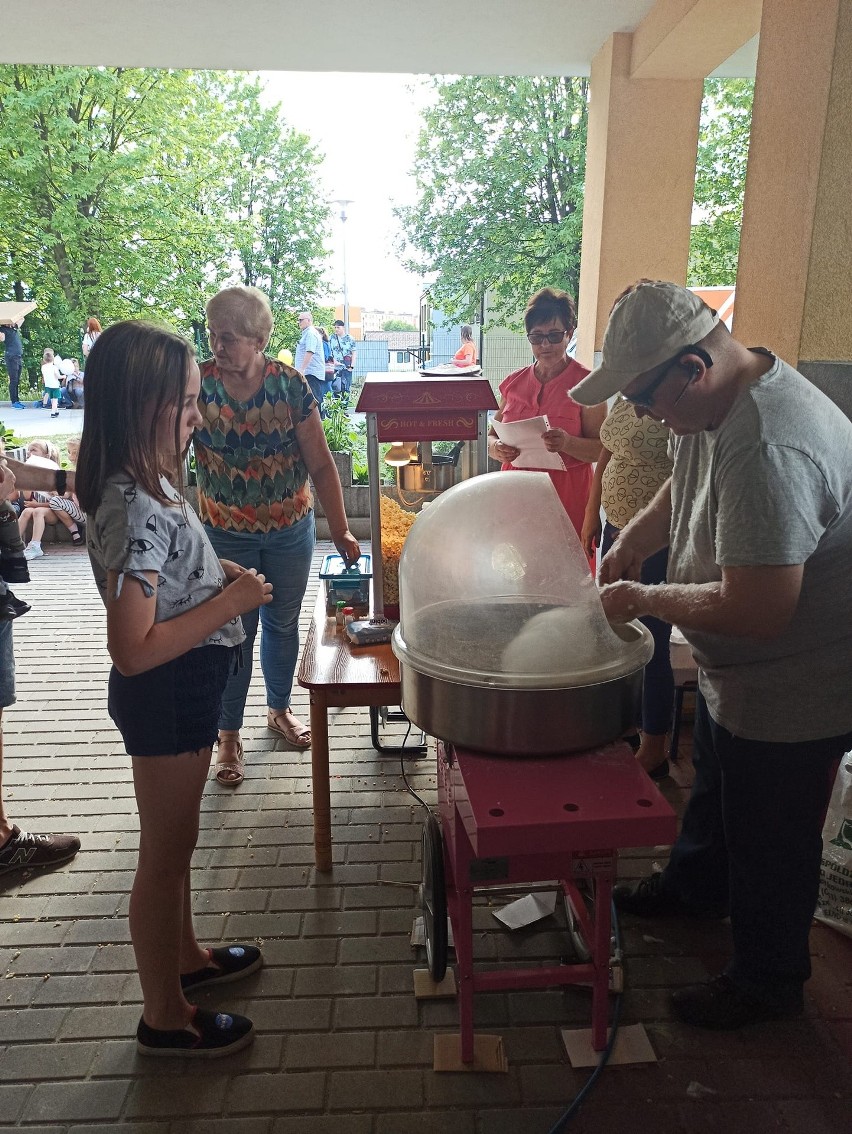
(645, 398)
(536, 339)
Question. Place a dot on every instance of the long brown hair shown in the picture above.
(135, 372)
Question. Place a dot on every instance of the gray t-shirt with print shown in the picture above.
(772, 486)
(132, 533)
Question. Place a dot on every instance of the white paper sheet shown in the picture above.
(526, 436)
(526, 910)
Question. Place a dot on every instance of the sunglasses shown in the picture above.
(645, 398)
(536, 339)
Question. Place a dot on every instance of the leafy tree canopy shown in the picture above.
(136, 192)
(720, 182)
(500, 166)
(397, 325)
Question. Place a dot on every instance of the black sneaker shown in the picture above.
(722, 1005)
(647, 898)
(12, 607)
(227, 963)
(208, 1035)
(26, 850)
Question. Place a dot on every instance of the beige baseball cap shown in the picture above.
(646, 328)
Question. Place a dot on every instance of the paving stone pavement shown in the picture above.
(342, 1045)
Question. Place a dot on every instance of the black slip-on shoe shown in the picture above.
(227, 963)
(208, 1035)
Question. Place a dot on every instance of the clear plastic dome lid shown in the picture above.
(495, 590)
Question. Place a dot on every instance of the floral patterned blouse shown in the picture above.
(251, 475)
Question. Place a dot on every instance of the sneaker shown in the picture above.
(208, 1035)
(56, 414)
(722, 1005)
(12, 607)
(33, 551)
(227, 963)
(647, 898)
(18, 405)
(24, 849)
(13, 568)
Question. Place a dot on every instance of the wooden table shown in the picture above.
(338, 675)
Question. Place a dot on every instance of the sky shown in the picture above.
(366, 127)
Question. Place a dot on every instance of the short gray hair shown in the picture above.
(247, 307)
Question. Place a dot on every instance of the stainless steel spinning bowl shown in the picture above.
(523, 721)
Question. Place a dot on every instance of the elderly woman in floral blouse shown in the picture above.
(260, 441)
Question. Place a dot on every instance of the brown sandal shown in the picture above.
(229, 773)
(297, 734)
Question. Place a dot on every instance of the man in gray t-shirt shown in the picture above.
(758, 520)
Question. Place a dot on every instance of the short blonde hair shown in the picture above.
(248, 308)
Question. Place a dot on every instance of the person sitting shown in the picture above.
(42, 454)
(72, 391)
(466, 354)
(13, 564)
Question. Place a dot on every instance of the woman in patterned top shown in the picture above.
(633, 464)
(260, 439)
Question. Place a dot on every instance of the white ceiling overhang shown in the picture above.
(497, 37)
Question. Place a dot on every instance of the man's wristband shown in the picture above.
(61, 482)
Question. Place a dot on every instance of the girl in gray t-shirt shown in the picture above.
(173, 631)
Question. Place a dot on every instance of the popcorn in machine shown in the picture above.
(410, 413)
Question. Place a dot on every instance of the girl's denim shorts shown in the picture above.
(174, 707)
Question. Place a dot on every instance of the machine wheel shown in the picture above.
(433, 897)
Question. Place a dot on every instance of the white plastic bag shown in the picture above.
(834, 905)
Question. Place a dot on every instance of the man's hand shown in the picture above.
(622, 561)
(622, 602)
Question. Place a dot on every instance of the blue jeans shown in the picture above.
(7, 666)
(658, 682)
(319, 388)
(752, 839)
(284, 557)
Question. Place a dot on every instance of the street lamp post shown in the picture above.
(342, 202)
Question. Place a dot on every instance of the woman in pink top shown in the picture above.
(545, 388)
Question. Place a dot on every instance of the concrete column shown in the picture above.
(794, 283)
(640, 175)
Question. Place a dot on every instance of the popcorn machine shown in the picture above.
(411, 412)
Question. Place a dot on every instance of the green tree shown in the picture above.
(139, 192)
(281, 218)
(106, 186)
(500, 166)
(397, 325)
(720, 182)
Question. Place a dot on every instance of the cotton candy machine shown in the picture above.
(503, 643)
